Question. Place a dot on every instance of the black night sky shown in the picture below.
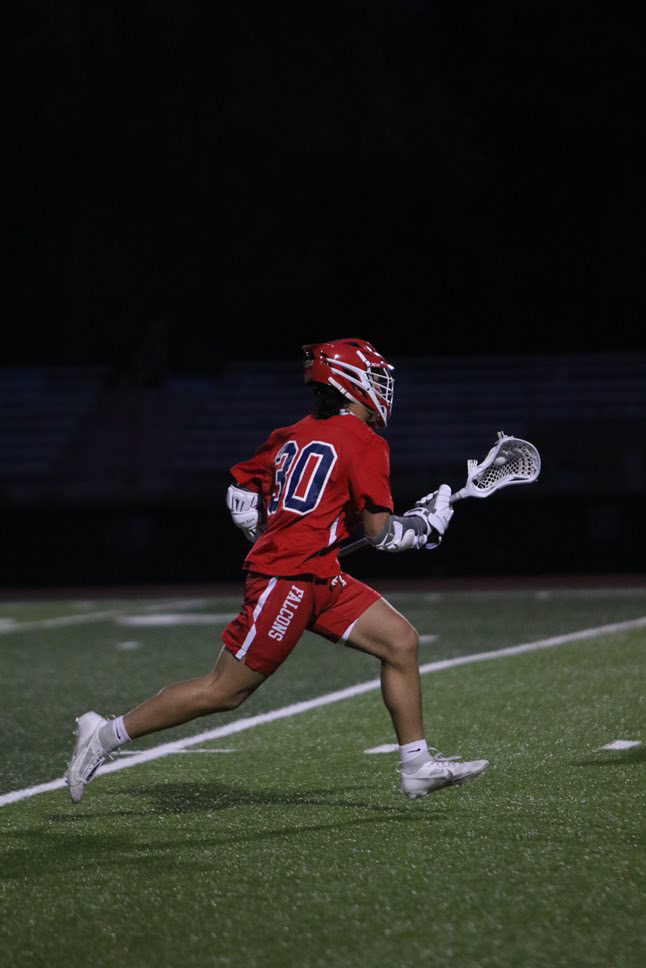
(461, 178)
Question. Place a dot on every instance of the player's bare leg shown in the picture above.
(384, 632)
(227, 686)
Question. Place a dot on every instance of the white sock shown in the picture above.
(113, 734)
(414, 754)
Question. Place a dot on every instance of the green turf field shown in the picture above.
(297, 848)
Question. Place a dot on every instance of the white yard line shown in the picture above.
(63, 621)
(622, 744)
(538, 594)
(250, 722)
(171, 619)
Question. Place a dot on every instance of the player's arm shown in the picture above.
(422, 527)
(374, 522)
(245, 493)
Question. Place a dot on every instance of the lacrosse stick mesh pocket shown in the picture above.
(521, 463)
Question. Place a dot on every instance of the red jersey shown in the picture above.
(315, 478)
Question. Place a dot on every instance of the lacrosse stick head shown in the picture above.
(510, 461)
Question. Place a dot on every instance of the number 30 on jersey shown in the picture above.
(301, 476)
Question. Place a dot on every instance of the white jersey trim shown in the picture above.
(333, 530)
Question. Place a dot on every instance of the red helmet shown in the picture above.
(357, 370)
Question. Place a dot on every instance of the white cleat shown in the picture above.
(88, 754)
(440, 771)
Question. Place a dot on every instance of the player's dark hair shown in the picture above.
(328, 401)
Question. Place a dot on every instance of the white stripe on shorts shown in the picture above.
(348, 632)
(251, 634)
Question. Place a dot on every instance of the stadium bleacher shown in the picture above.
(42, 410)
(69, 432)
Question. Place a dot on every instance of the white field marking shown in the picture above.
(171, 619)
(127, 646)
(295, 709)
(62, 621)
(384, 748)
(621, 744)
(492, 594)
(208, 751)
(136, 752)
(424, 639)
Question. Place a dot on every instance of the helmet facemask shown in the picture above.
(383, 384)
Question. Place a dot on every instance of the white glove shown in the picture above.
(400, 536)
(436, 508)
(245, 508)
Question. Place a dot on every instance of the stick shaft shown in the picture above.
(348, 549)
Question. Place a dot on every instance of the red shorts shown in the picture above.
(276, 612)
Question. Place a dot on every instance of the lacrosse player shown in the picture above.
(296, 500)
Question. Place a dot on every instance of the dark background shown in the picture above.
(204, 183)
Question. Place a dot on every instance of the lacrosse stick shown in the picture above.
(510, 461)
